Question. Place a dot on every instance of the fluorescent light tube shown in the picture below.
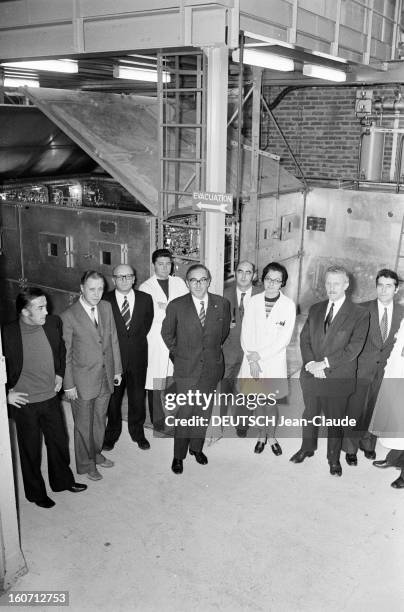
(62, 65)
(11, 82)
(324, 72)
(264, 60)
(132, 73)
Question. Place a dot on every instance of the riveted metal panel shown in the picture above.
(362, 233)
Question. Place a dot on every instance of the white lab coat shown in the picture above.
(159, 363)
(267, 336)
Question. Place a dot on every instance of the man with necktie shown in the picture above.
(239, 294)
(330, 342)
(385, 317)
(133, 315)
(93, 367)
(194, 330)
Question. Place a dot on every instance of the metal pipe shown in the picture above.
(358, 171)
(239, 129)
(282, 135)
(234, 115)
(398, 163)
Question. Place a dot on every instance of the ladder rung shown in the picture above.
(186, 160)
(172, 192)
(182, 89)
(183, 125)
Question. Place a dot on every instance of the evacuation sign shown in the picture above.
(211, 201)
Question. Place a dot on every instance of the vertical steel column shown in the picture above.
(249, 233)
(216, 154)
(12, 562)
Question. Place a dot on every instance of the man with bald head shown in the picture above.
(133, 314)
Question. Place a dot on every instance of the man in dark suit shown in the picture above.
(238, 294)
(93, 367)
(194, 330)
(35, 359)
(133, 314)
(330, 342)
(385, 319)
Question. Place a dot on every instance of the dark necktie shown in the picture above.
(202, 314)
(125, 312)
(241, 307)
(93, 316)
(384, 325)
(329, 317)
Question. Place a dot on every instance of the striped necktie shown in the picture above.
(384, 325)
(202, 314)
(125, 312)
(329, 318)
(93, 316)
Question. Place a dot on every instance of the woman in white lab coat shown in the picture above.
(163, 288)
(267, 328)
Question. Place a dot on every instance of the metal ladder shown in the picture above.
(181, 92)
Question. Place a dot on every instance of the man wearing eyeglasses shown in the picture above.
(239, 294)
(195, 327)
(133, 314)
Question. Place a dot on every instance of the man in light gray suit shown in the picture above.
(93, 367)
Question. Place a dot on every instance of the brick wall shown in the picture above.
(321, 128)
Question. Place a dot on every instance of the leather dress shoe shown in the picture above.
(398, 484)
(259, 447)
(382, 463)
(301, 456)
(77, 487)
(107, 463)
(200, 457)
(276, 449)
(108, 447)
(47, 502)
(241, 433)
(335, 469)
(176, 466)
(94, 475)
(143, 444)
(351, 459)
(368, 454)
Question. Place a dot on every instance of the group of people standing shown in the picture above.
(176, 335)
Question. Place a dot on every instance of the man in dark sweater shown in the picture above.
(35, 359)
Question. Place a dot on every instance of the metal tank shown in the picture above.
(371, 154)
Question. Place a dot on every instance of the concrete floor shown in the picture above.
(246, 532)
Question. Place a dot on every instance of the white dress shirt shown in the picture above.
(89, 310)
(247, 296)
(337, 306)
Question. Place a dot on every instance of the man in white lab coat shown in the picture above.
(163, 288)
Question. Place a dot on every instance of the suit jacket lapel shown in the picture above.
(395, 321)
(83, 316)
(340, 317)
(374, 324)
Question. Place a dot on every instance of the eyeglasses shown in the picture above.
(198, 281)
(273, 281)
(124, 277)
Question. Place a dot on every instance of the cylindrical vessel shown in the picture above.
(372, 150)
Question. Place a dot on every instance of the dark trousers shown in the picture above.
(331, 408)
(33, 420)
(361, 405)
(155, 399)
(396, 458)
(229, 384)
(134, 383)
(190, 436)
